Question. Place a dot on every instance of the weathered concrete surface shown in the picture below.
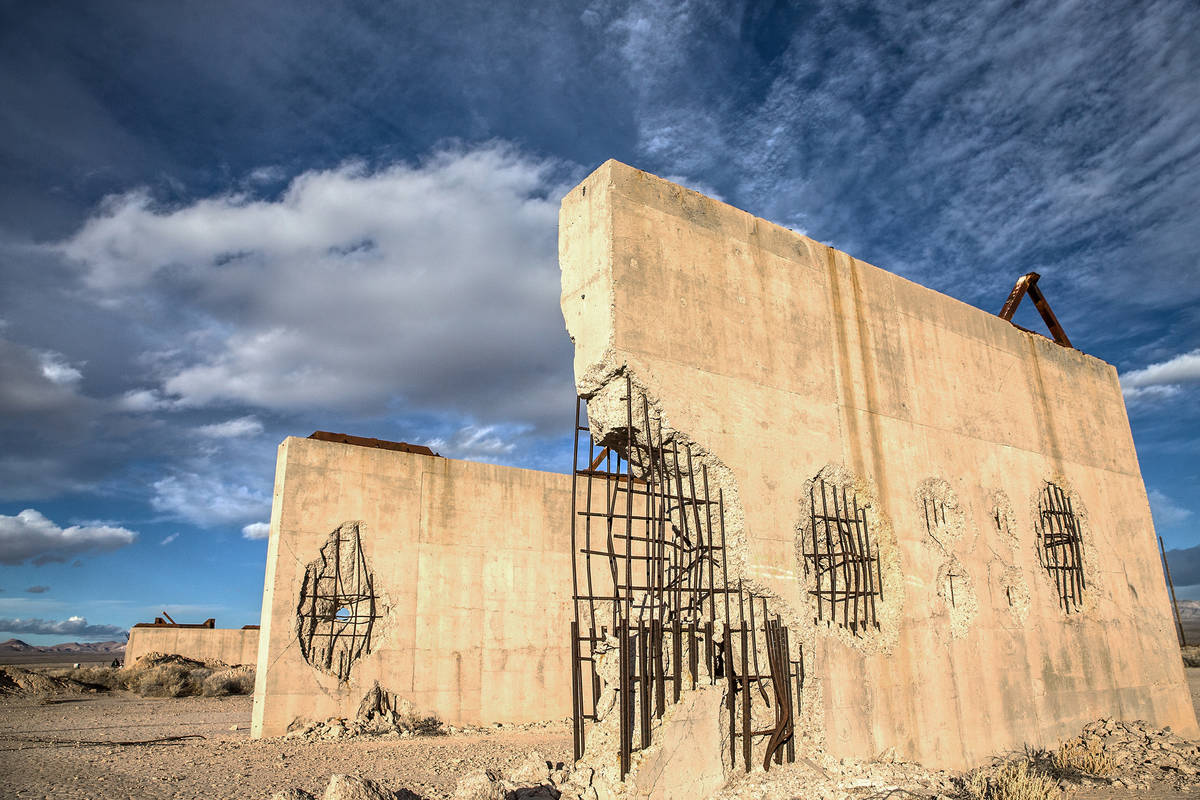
(227, 645)
(688, 763)
(471, 568)
(782, 356)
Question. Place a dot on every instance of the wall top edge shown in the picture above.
(621, 177)
(428, 463)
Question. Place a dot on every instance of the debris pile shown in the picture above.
(535, 778)
(1129, 754)
(381, 714)
(348, 787)
(18, 681)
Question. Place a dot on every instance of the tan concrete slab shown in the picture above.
(780, 356)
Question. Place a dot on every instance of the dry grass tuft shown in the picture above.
(1012, 779)
(235, 680)
(1087, 758)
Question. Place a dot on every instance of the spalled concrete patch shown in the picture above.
(688, 762)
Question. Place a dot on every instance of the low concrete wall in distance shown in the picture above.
(227, 645)
(445, 583)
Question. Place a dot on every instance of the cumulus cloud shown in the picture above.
(232, 428)
(72, 626)
(256, 530)
(1162, 379)
(434, 285)
(38, 589)
(30, 536)
(208, 499)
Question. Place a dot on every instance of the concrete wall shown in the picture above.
(781, 357)
(227, 645)
(471, 568)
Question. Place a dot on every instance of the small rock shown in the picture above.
(349, 787)
(477, 786)
(292, 794)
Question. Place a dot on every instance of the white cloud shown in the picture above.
(140, 400)
(1167, 513)
(232, 428)
(435, 285)
(486, 443)
(72, 626)
(207, 499)
(56, 369)
(1163, 378)
(168, 539)
(256, 530)
(30, 536)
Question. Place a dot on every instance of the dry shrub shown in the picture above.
(235, 680)
(421, 724)
(169, 680)
(1013, 779)
(1075, 757)
(93, 677)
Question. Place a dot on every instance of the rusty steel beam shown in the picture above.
(1027, 284)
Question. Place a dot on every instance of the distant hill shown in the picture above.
(17, 646)
(1189, 609)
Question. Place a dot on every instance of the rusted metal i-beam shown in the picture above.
(1027, 284)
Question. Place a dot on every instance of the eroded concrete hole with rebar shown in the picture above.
(338, 606)
(659, 609)
(1060, 545)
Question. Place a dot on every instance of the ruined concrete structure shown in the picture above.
(943, 515)
(438, 583)
(232, 646)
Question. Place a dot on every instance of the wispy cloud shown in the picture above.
(1167, 513)
(208, 499)
(232, 428)
(168, 539)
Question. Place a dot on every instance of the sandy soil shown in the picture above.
(71, 748)
(41, 757)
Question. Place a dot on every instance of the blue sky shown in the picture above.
(223, 223)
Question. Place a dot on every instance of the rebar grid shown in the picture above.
(651, 581)
(337, 609)
(839, 559)
(1060, 546)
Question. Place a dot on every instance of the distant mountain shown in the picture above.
(17, 646)
(1189, 609)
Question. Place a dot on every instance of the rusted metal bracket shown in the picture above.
(1027, 284)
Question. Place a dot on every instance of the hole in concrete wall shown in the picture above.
(1060, 545)
(659, 610)
(940, 510)
(841, 564)
(338, 606)
(957, 591)
(1011, 587)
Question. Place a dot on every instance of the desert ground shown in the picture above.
(119, 745)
